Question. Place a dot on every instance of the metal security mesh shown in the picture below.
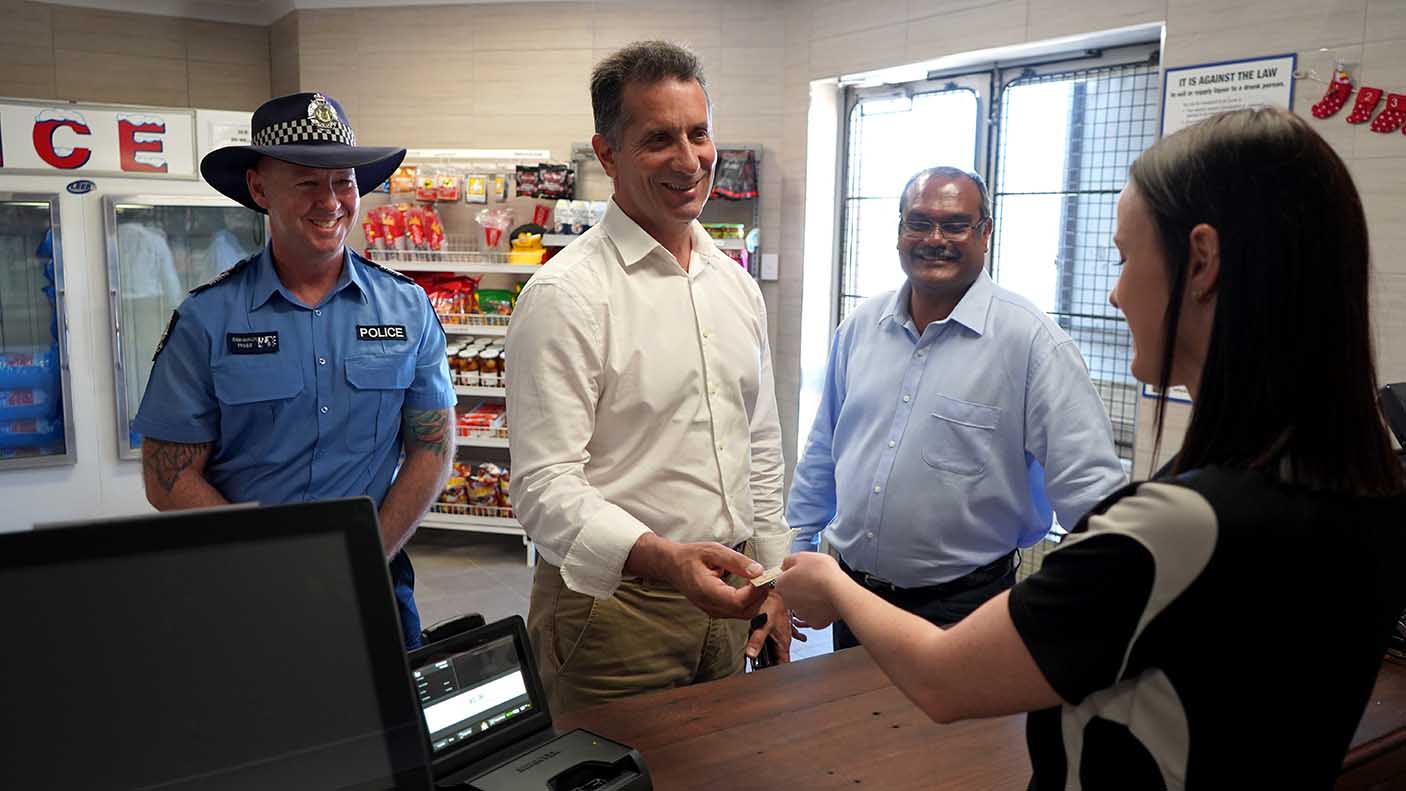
(1065, 143)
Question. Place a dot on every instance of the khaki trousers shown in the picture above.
(645, 637)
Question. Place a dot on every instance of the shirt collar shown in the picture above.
(267, 283)
(971, 310)
(635, 244)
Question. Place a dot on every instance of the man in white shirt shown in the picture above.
(645, 440)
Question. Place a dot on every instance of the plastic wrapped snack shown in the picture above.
(495, 222)
(527, 181)
(372, 229)
(448, 187)
(403, 179)
(476, 189)
(415, 222)
(427, 187)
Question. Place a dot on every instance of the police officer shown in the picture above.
(301, 373)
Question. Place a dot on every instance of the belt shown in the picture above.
(991, 571)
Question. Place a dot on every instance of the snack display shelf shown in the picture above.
(481, 391)
(478, 519)
(474, 323)
(564, 239)
(481, 438)
(461, 267)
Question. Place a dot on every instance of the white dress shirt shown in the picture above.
(640, 398)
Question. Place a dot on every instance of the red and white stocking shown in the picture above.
(1338, 91)
(1393, 116)
(1367, 99)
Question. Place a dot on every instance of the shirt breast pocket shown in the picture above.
(253, 395)
(378, 384)
(960, 435)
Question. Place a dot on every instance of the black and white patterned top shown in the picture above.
(1220, 629)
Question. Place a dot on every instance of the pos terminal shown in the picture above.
(489, 728)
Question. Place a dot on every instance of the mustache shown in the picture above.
(940, 253)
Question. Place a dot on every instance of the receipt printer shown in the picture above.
(576, 761)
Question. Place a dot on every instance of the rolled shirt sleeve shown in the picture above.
(551, 411)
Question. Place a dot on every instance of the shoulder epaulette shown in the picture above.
(384, 268)
(225, 275)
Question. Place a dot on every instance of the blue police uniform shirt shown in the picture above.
(300, 402)
(936, 451)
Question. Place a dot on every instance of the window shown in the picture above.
(891, 137)
(1063, 134)
(1065, 141)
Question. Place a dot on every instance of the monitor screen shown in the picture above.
(243, 650)
(466, 695)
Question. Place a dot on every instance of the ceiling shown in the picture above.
(248, 12)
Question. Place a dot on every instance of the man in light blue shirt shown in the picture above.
(955, 414)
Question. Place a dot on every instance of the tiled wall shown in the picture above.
(517, 76)
(83, 54)
(827, 38)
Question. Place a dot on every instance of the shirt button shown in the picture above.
(892, 443)
(922, 352)
(907, 398)
(322, 361)
(317, 313)
(324, 410)
(869, 535)
(878, 489)
(720, 446)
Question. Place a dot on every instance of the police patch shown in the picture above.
(380, 332)
(252, 342)
(170, 325)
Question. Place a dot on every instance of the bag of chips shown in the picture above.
(527, 181)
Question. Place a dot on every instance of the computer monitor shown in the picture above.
(213, 649)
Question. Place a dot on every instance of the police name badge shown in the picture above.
(380, 332)
(251, 342)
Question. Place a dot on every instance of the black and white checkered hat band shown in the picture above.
(303, 130)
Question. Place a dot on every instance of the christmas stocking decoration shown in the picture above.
(1367, 99)
(1338, 91)
(1393, 116)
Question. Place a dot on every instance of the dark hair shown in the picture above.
(1289, 384)
(646, 62)
(950, 173)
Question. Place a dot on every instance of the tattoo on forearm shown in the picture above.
(165, 461)
(428, 429)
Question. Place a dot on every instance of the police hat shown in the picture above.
(306, 129)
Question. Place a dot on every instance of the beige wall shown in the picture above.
(517, 76)
(83, 54)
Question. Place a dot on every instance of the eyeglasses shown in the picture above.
(916, 228)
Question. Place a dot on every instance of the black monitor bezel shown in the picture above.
(540, 720)
(353, 518)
